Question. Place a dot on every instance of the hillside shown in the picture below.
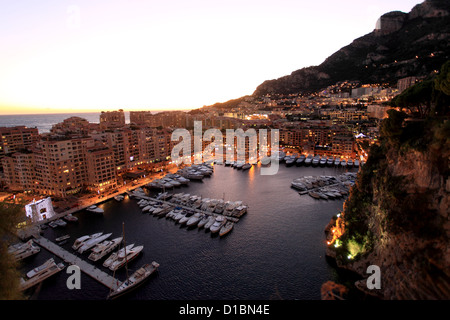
(402, 45)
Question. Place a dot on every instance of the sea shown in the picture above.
(275, 252)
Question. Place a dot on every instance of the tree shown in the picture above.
(10, 215)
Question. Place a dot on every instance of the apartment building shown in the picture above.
(112, 119)
(13, 139)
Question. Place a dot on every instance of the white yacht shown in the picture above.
(95, 209)
(81, 240)
(114, 256)
(23, 250)
(103, 248)
(119, 197)
(218, 223)
(92, 242)
(193, 221)
(135, 280)
(130, 255)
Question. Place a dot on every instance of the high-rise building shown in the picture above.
(112, 119)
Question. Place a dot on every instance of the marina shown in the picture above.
(84, 266)
(194, 260)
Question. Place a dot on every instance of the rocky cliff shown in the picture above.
(401, 45)
(397, 215)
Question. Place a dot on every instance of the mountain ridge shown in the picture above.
(402, 44)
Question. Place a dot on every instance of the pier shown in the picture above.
(233, 219)
(84, 266)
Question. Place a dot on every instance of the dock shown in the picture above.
(84, 266)
(138, 196)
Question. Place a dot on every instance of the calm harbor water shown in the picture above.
(276, 251)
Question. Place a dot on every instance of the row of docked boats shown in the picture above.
(238, 165)
(100, 246)
(317, 160)
(169, 181)
(325, 187)
(227, 208)
(191, 218)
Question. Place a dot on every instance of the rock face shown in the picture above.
(397, 216)
(401, 45)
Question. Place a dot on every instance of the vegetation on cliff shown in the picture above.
(397, 215)
(10, 215)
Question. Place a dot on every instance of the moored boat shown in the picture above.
(226, 228)
(135, 280)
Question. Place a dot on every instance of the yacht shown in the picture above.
(226, 228)
(194, 220)
(81, 240)
(265, 161)
(350, 163)
(330, 161)
(300, 161)
(315, 161)
(246, 166)
(180, 215)
(135, 280)
(203, 221)
(119, 197)
(186, 217)
(290, 161)
(23, 250)
(337, 161)
(92, 242)
(115, 255)
(218, 223)
(39, 270)
(356, 164)
(239, 211)
(95, 209)
(308, 160)
(103, 248)
(210, 222)
(70, 217)
(323, 161)
(126, 258)
(343, 163)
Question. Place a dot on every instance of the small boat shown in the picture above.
(62, 238)
(314, 195)
(135, 280)
(226, 228)
(323, 161)
(343, 163)
(185, 218)
(356, 164)
(81, 240)
(60, 223)
(337, 161)
(246, 166)
(95, 209)
(71, 218)
(119, 197)
(315, 161)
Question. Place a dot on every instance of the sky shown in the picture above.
(85, 55)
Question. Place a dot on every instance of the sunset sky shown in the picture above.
(64, 56)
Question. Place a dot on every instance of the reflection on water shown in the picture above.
(275, 251)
